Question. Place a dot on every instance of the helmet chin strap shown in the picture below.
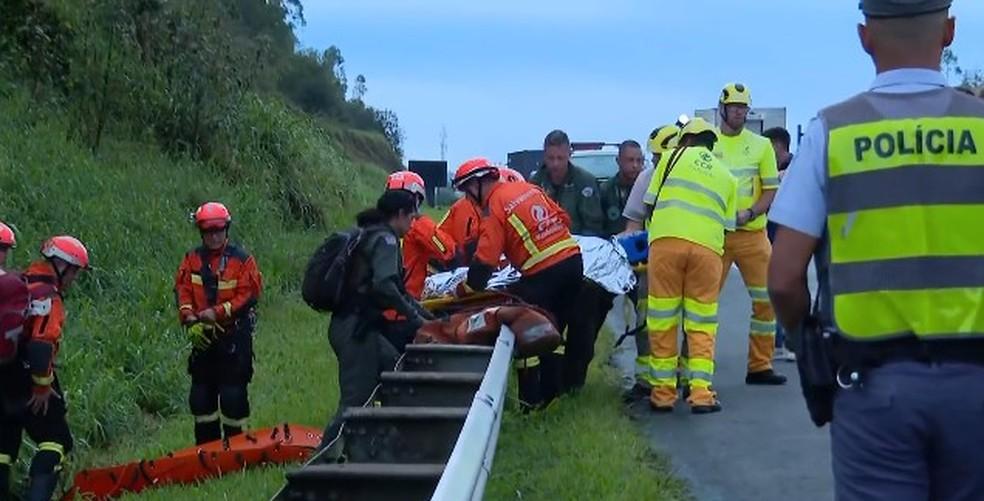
(59, 272)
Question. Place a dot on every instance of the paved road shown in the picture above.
(763, 446)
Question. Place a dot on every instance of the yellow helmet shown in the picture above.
(663, 139)
(697, 126)
(736, 93)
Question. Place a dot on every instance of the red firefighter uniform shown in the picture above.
(525, 225)
(228, 281)
(532, 231)
(462, 219)
(31, 399)
(425, 242)
(461, 224)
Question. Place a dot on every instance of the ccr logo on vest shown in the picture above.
(909, 142)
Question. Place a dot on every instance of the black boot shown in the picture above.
(5, 494)
(530, 397)
(767, 377)
(41, 487)
(207, 432)
(636, 393)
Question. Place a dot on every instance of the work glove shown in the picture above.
(200, 340)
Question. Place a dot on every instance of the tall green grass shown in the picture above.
(123, 359)
(581, 447)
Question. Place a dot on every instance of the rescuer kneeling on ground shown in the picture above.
(693, 199)
(31, 398)
(217, 287)
(532, 231)
(376, 280)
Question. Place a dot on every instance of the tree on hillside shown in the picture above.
(391, 129)
(179, 71)
(953, 70)
(359, 92)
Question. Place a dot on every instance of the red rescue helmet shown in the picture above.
(212, 216)
(474, 169)
(68, 249)
(510, 175)
(408, 181)
(7, 237)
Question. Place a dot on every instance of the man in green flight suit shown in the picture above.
(615, 191)
(572, 187)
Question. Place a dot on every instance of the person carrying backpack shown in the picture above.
(217, 287)
(31, 399)
(374, 283)
(423, 245)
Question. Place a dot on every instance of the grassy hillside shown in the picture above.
(123, 359)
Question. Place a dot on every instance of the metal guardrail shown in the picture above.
(470, 463)
(431, 432)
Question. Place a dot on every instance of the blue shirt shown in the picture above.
(801, 202)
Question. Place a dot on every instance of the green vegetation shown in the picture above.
(119, 118)
(953, 70)
(123, 357)
(581, 447)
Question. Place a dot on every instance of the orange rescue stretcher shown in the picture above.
(278, 445)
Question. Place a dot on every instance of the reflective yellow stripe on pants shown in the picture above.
(663, 323)
(693, 270)
(751, 250)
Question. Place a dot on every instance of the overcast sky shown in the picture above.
(500, 74)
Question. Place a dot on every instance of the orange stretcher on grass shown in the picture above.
(278, 445)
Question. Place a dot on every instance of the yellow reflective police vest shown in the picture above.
(905, 204)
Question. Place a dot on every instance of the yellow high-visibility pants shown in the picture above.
(683, 282)
(751, 250)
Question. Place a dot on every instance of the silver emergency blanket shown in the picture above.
(605, 263)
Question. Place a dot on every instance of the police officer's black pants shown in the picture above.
(220, 377)
(911, 431)
(590, 310)
(362, 353)
(49, 432)
(550, 289)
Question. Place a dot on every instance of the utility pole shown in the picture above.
(444, 142)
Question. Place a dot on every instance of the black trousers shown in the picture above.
(220, 377)
(399, 333)
(49, 432)
(590, 310)
(554, 290)
(362, 353)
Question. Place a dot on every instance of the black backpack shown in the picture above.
(327, 276)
